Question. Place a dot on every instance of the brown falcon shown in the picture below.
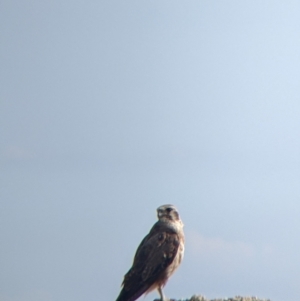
(157, 257)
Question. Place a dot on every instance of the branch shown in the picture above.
(202, 298)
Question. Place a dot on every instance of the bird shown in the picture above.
(157, 257)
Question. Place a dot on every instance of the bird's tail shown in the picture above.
(130, 295)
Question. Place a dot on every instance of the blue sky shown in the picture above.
(111, 109)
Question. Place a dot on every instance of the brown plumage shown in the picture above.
(157, 257)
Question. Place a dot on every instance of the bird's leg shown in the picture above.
(162, 296)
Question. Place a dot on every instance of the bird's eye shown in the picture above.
(169, 210)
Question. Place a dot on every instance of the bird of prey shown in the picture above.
(157, 257)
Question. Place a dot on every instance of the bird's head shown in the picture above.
(168, 212)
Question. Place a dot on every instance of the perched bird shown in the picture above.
(157, 257)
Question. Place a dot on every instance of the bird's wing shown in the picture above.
(155, 253)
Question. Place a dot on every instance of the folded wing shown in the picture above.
(152, 259)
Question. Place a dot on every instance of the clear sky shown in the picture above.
(112, 108)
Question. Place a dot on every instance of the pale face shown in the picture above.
(168, 211)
